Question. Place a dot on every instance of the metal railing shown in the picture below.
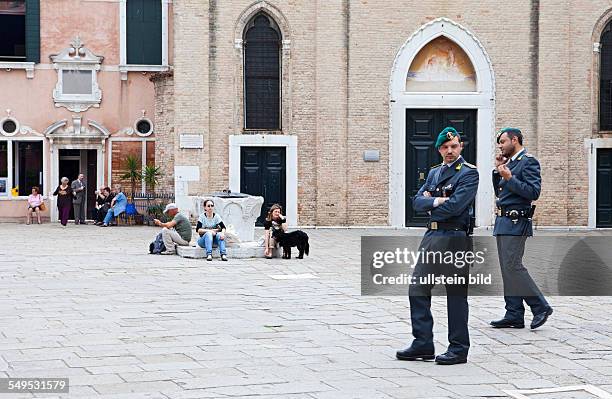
(151, 205)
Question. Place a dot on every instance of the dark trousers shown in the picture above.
(79, 212)
(518, 284)
(64, 212)
(101, 213)
(456, 303)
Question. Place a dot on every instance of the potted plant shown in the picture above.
(151, 175)
(132, 168)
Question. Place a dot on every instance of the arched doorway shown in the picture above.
(441, 76)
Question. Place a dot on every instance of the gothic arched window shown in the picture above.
(262, 45)
(605, 79)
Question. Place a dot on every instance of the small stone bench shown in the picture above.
(236, 251)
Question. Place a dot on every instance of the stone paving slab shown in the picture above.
(90, 304)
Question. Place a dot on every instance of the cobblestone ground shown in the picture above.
(90, 304)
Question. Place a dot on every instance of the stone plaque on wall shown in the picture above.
(192, 141)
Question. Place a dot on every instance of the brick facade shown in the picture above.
(337, 62)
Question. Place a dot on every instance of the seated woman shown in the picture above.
(34, 202)
(274, 221)
(118, 205)
(100, 196)
(106, 197)
(211, 229)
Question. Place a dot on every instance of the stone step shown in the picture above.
(250, 249)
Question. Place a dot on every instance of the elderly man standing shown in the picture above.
(78, 202)
(175, 232)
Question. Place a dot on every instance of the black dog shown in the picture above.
(296, 238)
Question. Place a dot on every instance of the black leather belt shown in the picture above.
(514, 214)
(446, 226)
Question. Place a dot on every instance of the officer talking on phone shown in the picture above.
(517, 182)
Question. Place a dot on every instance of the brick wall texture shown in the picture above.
(336, 71)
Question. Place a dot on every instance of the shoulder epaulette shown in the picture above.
(435, 166)
(469, 165)
(524, 155)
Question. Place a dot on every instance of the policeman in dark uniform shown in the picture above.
(517, 182)
(448, 195)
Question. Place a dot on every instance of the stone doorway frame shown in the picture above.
(291, 165)
(483, 100)
(591, 148)
(55, 147)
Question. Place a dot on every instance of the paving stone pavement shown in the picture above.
(90, 304)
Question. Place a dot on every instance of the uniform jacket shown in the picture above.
(460, 181)
(517, 193)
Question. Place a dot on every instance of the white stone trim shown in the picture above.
(10, 161)
(54, 148)
(291, 166)
(77, 58)
(483, 100)
(17, 126)
(122, 32)
(165, 32)
(147, 134)
(124, 67)
(591, 146)
(27, 66)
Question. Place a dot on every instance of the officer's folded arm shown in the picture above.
(422, 203)
(461, 198)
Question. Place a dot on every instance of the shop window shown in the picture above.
(3, 159)
(27, 166)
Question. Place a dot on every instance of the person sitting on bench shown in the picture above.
(118, 205)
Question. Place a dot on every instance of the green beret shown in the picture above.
(448, 133)
(508, 130)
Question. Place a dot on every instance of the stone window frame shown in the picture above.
(11, 160)
(151, 127)
(285, 96)
(77, 57)
(9, 134)
(598, 29)
(124, 67)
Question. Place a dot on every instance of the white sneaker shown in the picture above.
(168, 253)
(224, 258)
(209, 257)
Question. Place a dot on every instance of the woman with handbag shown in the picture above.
(35, 204)
(64, 200)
